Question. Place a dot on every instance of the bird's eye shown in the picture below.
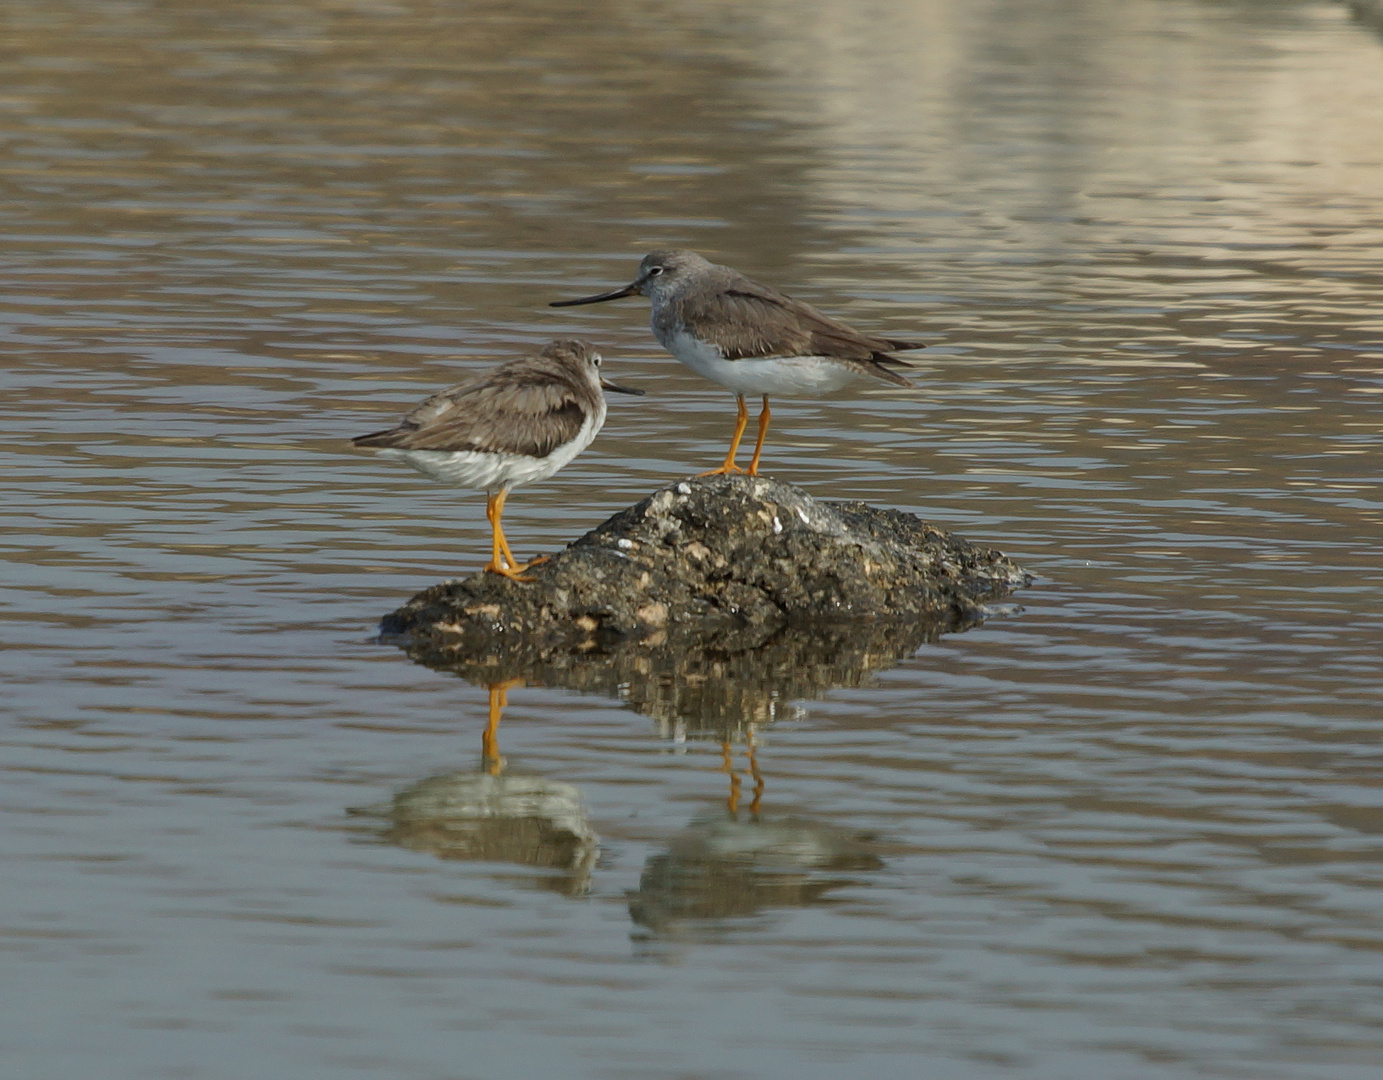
(655, 271)
(596, 361)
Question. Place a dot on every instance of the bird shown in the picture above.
(750, 338)
(516, 423)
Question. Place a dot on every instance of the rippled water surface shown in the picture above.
(1130, 831)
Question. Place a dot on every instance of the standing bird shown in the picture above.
(751, 339)
(514, 424)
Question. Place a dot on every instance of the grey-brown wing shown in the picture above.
(751, 320)
(528, 413)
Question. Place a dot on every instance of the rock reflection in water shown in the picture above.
(723, 685)
(488, 815)
(736, 862)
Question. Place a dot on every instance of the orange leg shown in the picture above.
(764, 417)
(742, 421)
(495, 565)
(502, 560)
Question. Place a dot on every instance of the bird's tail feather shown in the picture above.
(378, 438)
(875, 367)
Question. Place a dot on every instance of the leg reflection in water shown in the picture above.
(489, 742)
(727, 755)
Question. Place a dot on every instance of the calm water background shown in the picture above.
(1134, 831)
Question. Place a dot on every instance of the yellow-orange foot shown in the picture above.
(517, 570)
(724, 470)
(513, 573)
(508, 557)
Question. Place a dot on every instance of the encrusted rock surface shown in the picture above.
(733, 559)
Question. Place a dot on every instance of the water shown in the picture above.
(1132, 831)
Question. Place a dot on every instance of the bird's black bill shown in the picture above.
(606, 384)
(615, 294)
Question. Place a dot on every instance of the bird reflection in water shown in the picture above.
(730, 864)
(721, 868)
(491, 759)
(727, 753)
(490, 815)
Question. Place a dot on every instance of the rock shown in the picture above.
(712, 606)
(731, 559)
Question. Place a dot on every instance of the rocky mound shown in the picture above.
(729, 557)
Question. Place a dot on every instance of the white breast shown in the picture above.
(777, 375)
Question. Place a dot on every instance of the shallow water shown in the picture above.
(1130, 831)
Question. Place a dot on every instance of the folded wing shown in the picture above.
(752, 321)
(519, 413)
